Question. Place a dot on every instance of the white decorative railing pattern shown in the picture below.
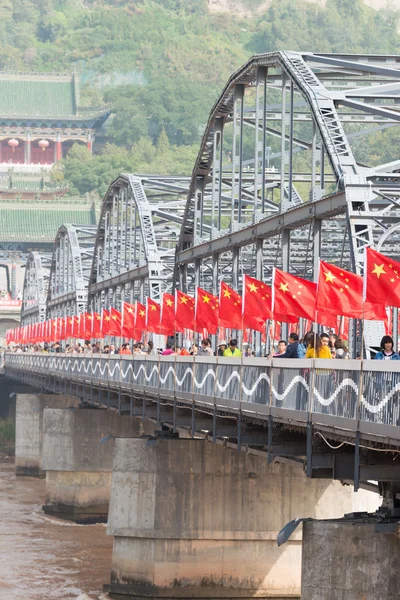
(364, 391)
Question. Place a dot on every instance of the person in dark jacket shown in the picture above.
(291, 350)
(387, 352)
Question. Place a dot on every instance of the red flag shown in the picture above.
(53, 330)
(68, 327)
(128, 320)
(230, 307)
(96, 326)
(75, 326)
(293, 297)
(115, 322)
(81, 326)
(88, 326)
(341, 292)
(59, 321)
(184, 313)
(167, 318)
(343, 328)
(140, 321)
(105, 322)
(62, 328)
(206, 311)
(153, 313)
(257, 298)
(382, 279)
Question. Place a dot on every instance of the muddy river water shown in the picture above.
(41, 557)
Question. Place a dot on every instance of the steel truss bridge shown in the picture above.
(280, 180)
(339, 422)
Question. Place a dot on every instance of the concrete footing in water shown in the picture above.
(351, 559)
(191, 519)
(78, 467)
(29, 430)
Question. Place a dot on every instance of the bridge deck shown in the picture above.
(342, 397)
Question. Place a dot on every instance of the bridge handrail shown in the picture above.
(283, 388)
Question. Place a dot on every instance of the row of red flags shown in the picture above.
(337, 293)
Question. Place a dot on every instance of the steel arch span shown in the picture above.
(139, 227)
(70, 270)
(36, 282)
(280, 178)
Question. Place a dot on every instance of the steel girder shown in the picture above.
(134, 254)
(70, 270)
(36, 283)
(277, 180)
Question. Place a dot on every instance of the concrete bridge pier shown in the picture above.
(351, 559)
(191, 519)
(29, 430)
(78, 467)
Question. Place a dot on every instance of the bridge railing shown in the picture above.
(352, 391)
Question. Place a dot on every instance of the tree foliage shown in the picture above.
(162, 64)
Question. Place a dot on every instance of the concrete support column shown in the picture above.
(28, 149)
(348, 559)
(191, 519)
(78, 467)
(29, 430)
(59, 153)
(89, 143)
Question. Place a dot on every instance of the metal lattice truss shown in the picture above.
(283, 177)
(139, 228)
(277, 180)
(280, 178)
(70, 270)
(36, 283)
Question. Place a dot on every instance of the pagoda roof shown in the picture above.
(44, 96)
(31, 222)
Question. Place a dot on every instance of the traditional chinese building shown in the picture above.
(41, 117)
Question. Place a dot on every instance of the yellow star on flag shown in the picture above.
(284, 287)
(206, 299)
(329, 276)
(227, 294)
(168, 302)
(379, 270)
(142, 313)
(183, 300)
(153, 307)
(253, 288)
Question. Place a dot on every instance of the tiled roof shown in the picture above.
(37, 95)
(40, 223)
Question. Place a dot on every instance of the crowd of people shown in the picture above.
(139, 348)
(312, 345)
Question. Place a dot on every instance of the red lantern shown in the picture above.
(13, 143)
(43, 144)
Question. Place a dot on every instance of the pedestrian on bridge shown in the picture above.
(292, 347)
(318, 346)
(205, 348)
(221, 348)
(232, 349)
(387, 352)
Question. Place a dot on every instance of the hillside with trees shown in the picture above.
(163, 63)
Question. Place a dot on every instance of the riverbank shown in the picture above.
(7, 440)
